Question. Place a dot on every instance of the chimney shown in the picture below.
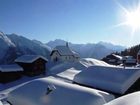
(67, 44)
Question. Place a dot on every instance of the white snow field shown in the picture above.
(112, 79)
(91, 61)
(130, 99)
(68, 70)
(1, 103)
(62, 93)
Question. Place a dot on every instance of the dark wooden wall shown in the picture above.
(36, 68)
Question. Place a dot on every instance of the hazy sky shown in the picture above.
(77, 21)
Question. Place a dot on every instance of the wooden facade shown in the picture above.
(6, 77)
(34, 68)
(10, 73)
(111, 59)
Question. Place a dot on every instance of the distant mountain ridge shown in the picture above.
(7, 49)
(13, 45)
(93, 50)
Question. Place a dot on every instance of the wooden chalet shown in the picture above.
(113, 59)
(32, 64)
(130, 61)
(10, 73)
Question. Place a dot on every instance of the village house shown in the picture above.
(113, 59)
(138, 57)
(32, 64)
(10, 73)
(117, 60)
(130, 61)
(64, 53)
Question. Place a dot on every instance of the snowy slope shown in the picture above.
(12, 46)
(90, 62)
(42, 44)
(112, 46)
(1, 103)
(130, 99)
(94, 50)
(68, 70)
(34, 93)
(27, 46)
(113, 79)
(7, 49)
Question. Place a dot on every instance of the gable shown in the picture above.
(64, 51)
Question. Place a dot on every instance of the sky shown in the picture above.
(77, 21)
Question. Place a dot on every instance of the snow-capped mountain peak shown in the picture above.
(5, 39)
(93, 50)
(13, 45)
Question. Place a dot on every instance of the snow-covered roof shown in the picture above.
(91, 61)
(1, 103)
(65, 50)
(112, 79)
(10, 68)
(130, 99)
(118, 56)
(129, 57)
(34, 93)
(29, 58)
(68, 70)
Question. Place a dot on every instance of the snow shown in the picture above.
(10, 68)
(67, 65)
(6, 39)
(112, 79)
(8, 87)
(34, 93)
(68, 70)
(65, 50)
(93, 50)
(2, 87)
(29, 58)
(87, 71)
(7, 49)
(130, 99)
(27, 46)
(69, 74)
(92, 61)
(117, 56)
(1, 103)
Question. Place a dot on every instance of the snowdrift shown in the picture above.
(112, 79)
(68, 70)
(131, 99)
(62, 93)
(1, 103)
(79, 65)
(90, 62)
(67, 65)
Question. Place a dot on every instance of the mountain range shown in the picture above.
(93, 50)
(13, 45)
